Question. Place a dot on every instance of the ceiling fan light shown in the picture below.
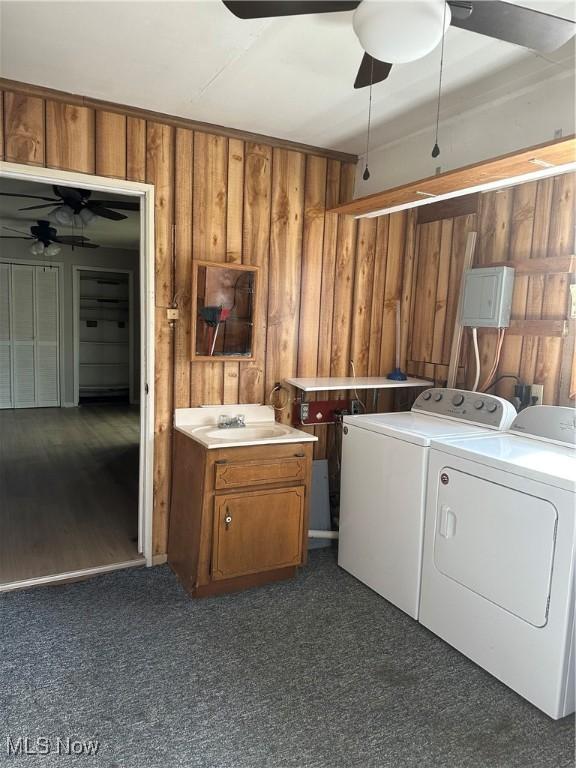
(64, 215)
(401, 31)
(53, 250)
(86, 216)
(37, 248)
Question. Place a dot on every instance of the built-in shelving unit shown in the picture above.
(104, 356)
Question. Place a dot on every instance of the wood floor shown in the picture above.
(68, 489)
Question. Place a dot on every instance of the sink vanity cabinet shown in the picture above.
(239, 515)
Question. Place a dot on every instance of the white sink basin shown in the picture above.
(242, 434)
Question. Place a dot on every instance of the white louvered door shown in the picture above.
(29, 336)
(47, 317)
(5, 344)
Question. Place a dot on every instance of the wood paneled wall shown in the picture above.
(522, 223)
(327, 284)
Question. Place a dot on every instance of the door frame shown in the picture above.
(59, 265)
(145, 194)
(76, 269)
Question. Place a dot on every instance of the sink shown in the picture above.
(241, 434)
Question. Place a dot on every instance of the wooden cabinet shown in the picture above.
(239, 516)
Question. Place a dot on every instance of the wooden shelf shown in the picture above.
(464, 180)
(551, 265)
(349, 382)
(558, 328)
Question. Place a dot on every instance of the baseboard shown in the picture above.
(68, 405)
(159, 559)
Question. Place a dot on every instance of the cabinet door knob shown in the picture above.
(228, 519)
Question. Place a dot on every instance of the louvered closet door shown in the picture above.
(22, 312)
(29, 336)
(5, 345)
(47, 316)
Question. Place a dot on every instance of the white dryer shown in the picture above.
(499, 552)
(384, 471)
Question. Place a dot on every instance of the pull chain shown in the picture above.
(436, 148)
(366, 174)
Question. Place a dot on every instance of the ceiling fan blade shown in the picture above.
(516, 24)
(371, 69)
(118, 205)
(71, 239)
(261, 9)
(18, 231)
(106, 213)
(37, 207)
(30, 197)
(15, 237)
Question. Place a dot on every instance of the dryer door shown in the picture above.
(497, 542)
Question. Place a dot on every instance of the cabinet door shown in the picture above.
(257, 531)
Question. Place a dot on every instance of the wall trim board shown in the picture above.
(39, 91)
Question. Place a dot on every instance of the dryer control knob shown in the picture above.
(492, 407)
(426, 395)
(458, 399)
(438, 396)
(479, 404)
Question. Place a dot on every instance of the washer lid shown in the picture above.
(413, 427)
(524, 456)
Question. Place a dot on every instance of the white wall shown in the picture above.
(111, 258)
(514, 121)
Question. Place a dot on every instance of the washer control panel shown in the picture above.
(463, 405)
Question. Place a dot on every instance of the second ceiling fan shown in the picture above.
(407, 30)
(70, 204)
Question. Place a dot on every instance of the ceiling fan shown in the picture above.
(46, 239)
(397, 32)
(70, 203)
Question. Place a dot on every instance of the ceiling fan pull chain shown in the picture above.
(366, 174)
(436, 148)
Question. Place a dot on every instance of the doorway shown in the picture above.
(76, 394)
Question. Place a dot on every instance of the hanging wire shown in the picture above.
(436, 148)
(366, 174)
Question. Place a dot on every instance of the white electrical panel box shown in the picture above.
(488, 297)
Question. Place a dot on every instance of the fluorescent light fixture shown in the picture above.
(512, 181)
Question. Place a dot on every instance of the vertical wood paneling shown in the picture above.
(24, 129)
(160, 172)
(111, 144)
(343, 285)
(288, 181)
(555, 297)
(328, 286)
(312, 245)
(234, 216)
(70, 137)
(256, 246)
(362, 301)
(184, 140)
(135, 149)
(377, 303)
(209, 227)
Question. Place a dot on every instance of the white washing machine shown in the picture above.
(384, 471)
(498, 568)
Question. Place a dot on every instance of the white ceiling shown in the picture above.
(290, 78)
(103, 232)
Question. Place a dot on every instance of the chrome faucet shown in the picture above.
(231, 422)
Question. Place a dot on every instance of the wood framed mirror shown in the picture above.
(223, 302)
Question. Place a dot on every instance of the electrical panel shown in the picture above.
(487, 300)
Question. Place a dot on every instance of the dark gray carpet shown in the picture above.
(315, 673)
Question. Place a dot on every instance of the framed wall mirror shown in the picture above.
(223, 301)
